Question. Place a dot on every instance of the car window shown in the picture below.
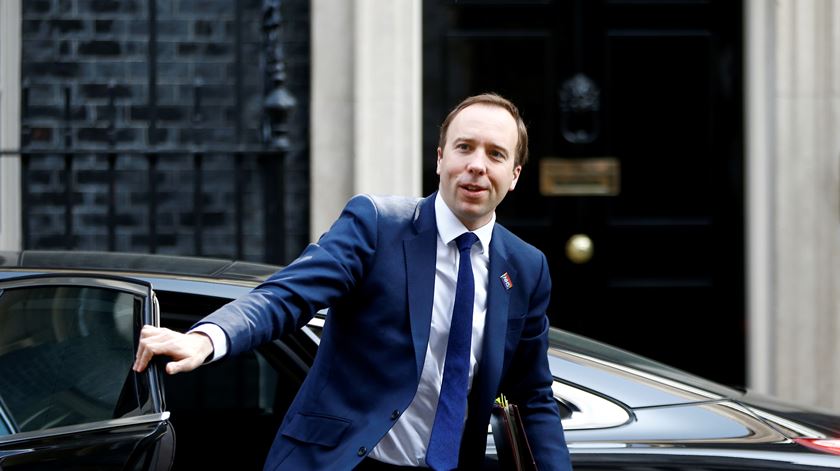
(4, 422)
(65, 355)
(245, 382)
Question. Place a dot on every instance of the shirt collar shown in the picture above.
(449, 227)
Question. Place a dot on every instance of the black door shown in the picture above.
(68, 396)
(634, 112)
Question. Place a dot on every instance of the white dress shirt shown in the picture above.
(406, 442)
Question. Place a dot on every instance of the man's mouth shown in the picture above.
(471, 187)
(472, 190)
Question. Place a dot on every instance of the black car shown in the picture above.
(69, 400)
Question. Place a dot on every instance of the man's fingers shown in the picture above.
(174, 367)
(186, 351)
(140, 360)
(151, 341)
(144, 355)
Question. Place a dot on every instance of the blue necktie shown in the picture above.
(445, 440)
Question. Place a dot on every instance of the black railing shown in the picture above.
(271, 182)
(254, 159)
(266, 162)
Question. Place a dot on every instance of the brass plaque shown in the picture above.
(585, 176)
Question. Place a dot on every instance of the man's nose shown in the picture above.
(477, 162)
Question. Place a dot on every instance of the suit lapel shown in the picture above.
(420, 257)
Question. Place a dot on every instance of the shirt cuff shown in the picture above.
(217, 337)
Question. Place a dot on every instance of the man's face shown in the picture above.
(477, 166)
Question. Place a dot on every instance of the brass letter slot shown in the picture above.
(589, 176)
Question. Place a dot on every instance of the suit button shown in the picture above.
(395, 414)
(362, 451)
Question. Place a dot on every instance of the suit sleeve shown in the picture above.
(528, 382)
(322, 274)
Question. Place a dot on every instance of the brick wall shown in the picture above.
(96, 53)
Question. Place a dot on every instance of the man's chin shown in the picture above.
(472, 216)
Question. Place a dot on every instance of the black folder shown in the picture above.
(509, 435)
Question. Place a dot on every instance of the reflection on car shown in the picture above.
(69, 324)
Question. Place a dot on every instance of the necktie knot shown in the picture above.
(465, 241)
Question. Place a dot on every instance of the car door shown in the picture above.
(68, 396)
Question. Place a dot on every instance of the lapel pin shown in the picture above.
(506, 281)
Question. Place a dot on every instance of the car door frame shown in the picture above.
(148, 437)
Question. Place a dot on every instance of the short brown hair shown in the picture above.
(491, 99)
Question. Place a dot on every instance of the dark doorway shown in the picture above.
(635, 117)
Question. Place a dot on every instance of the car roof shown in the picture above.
(178, 266)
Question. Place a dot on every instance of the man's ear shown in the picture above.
(516, 171)
(439, 156)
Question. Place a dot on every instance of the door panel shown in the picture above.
(660, 121)
(67, 391)
(656, 88)
(145, 444)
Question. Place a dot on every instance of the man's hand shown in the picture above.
(188, 351)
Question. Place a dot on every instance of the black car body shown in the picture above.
(68, 399)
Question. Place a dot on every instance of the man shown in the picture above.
(434, 310)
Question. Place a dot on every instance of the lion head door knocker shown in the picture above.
(580, 103)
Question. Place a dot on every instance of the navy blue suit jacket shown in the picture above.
(375, 270)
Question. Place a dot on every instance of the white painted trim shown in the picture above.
(331, 115)
(388, 81)
(759, 85)
(366, 120)
(10, 44)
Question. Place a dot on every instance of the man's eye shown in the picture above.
(462, 146)
(497, 155)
